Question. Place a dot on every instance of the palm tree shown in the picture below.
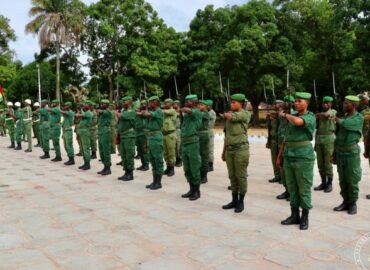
(58, 23)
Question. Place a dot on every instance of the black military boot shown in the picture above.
(19, 147)
(71, 161)
(188, 194)
(107, 171)
(166, 170)
(196, 194)
(233, 203)
(119, 163)
(210, 166)
(352, 209)
(274, 180)
(56, 159)
(45, 156)
(105, 167)
(329, 185)
(178, 162)
(342, 207)
(157, 183)
(12, 145)
(137, 156)
(304, 220)
(151, 185)
(79, 154)
(283, 196)
(204, 179)
(143, 168)
(368, 197)
(322, 185)
(240, 204)
(37, 145)
(171, 171)
(93, 155)
(229, 187)
(123, 176)
(85, 167)
(293, 219)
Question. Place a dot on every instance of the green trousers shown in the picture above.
(93, 139)
(191, 162)
(55, 132)
(274, 150)
(105, 146)
(204, 142)
(299, 177)
(45, 137)
(237, 160)
(68, 142)
(324, 152)
(142, 148)
(36, 131)
(11, 129)
(349, 171)
(2, 129)
(113, 140)
(27, 127)
(281, 170)
(127, 146)
(18, 131)
(155, 146)
(85, 144)
(178, 143)
(211, 146)
(169, 146)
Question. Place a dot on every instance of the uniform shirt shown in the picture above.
(85, 121)
(282, 124)
(169, 122)
(141, 125)
(191, 123)
(236, 128)
(105, 119)
(273, 126)
(18, 115)
(349, 130)
(326, 128)
(35, 118)
(366, 127)
(212, 119)
(44, 115)
(156, 121)
(178, 120)
(55, 116)
(27, 114)
(9, 119)
(68, 119)
(298, 134)
(126, 123)
(94, 121)
(204, 126)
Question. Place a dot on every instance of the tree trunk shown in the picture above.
(111, 88)
(57, 93)
(256, 117)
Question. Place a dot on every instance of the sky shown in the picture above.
(176, 13)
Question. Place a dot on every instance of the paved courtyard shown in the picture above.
(57, 217)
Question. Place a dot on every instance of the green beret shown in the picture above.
(303, 95)
(104, 101)
(353, 98)
(168, 100)
(278, 101)
(44, 101)
(327, 99)
(176, 101)
(205, 102)
(188, 97)
(68, 103)
(55, 101)
(127, 98)
(238, 97)
(289, 98)
(210, 102)
(143, 102)
(153, 98)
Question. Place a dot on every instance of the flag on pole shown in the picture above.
(1, 94)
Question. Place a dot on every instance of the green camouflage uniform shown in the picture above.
(282, 125)
(126, 131)
(84, 128)
(155, 142)
(55, 129)
(2, 124)
(178, 137)
(19, 125)
(366, 127)
(105, 136)
(204, 141)
(27, 125)
(36, 126)
(45, 129)
(141, 128)
(113, 126)
(169, 136)
(272, 142)
(212, 122)
(9, 123)
(68, 133)
(93, 132)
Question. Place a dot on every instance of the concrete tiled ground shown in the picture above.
(57, 217)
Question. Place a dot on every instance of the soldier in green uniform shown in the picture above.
(44, 128)
(297, 157)
(2, 123)
(36, 124)
(347, 154)
(126, 137)
(367, 152)
(27, 123)
(204, 140)
(84, 128)
(93, 130)
(55, 128)
(68, 120)
(212, 123)
(141, 128)
(177, 107)
(9, 122)
(155, 140)
(324, 146)
(190, 145)
(169, 136)
(365, 111)
(105, 117)
(76, 122)
(18, 117)
(113, 127)
(236, 151)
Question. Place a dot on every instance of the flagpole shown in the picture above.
(39, 81)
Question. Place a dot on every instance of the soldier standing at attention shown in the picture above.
(76, 122)
(18, 117)
(299, 158)
(84, 128)
(176, 106)
(212, 122)
(55, 128)
(36, 124)
(236, 151)
(68, 119)
(365, 111)
(190, 146)
(204, 141)
(9, 122)
(169, 137)
(27, 123)
(141, 128)
(347, 154)
(126, 137)
(105, 117)
(113, 127)
(155, 140)
(44, 128)
(324, 146)
(93, 130)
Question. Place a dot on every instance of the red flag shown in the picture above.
(1, 90)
